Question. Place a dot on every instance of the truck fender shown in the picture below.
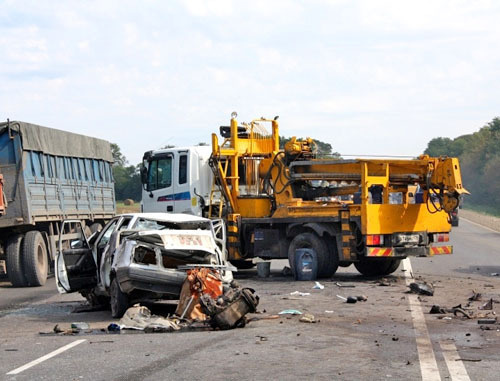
(319, 228)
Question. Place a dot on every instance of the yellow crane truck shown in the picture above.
(368, 212)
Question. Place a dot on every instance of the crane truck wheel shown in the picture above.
(14, 263)
(308, 240)
(377, 267)
(35, 258)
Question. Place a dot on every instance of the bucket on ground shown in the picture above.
(263, 269)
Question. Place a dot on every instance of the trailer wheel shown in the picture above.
(15, 270)
(307, 240)
(119, 300)
(35, 258)
(377, 267)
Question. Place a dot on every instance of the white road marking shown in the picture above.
(475, 223)
(46, 357)
(455, 366)
(428, 364)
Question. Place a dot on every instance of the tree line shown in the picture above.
(479, 155)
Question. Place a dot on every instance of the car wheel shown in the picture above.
(15, 270)
(119, 300)
(35, 258)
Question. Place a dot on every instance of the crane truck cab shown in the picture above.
(368, 212)
(176, 180)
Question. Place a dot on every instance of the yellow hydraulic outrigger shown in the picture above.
(348, 210)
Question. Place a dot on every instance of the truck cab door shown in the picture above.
(75, 267)
(159, 185)
(182, 193)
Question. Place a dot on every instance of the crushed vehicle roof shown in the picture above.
(168, 217)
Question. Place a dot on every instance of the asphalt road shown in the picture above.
(391, 336)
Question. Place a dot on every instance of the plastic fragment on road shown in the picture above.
(298, 293)
(422, 288)
(342, 297)
(495, 274)
(487, 306)
(113, 327)
(328, 312)
(307, 318)
(80, 326)
(318, 286)
(290, 312)
(475, 296)
(351, 299)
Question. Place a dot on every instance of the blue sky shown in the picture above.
(369, 77)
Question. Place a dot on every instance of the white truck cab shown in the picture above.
(176, 180)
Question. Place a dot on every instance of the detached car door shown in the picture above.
(75, 266)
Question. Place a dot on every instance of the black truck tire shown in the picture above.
(308, 240)
(15, 270)
(119, 300)
(376, 266)
(35, 260)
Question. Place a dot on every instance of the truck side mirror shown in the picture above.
(144, 175)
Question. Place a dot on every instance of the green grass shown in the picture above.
(122, 208)
(484, 209)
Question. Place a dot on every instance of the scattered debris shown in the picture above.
(341, 297)
(328, 312)
(395, 338)
(487, 321)
(287, 271)
(473, 360)
(307, 318)
(318, 286)
(298, 293)
(435, 309)
(475, 296)
(422, 288)
(487, 306)
(361, 298)
(290, 312)
(351, 299)
(344, 285)
(228, 310)
(495, 274)
(383, 283)
(80, 326)
(140, 318)
(113, 327)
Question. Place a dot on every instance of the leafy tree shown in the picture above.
(127, 177)
(479, 155)
(117, 155)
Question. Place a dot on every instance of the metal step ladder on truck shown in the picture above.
(48, 175)
(366, 212)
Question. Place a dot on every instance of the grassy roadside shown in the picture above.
(122, 208)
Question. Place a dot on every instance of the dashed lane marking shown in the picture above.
(428, 364)
(46, 357)
(455, 366)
